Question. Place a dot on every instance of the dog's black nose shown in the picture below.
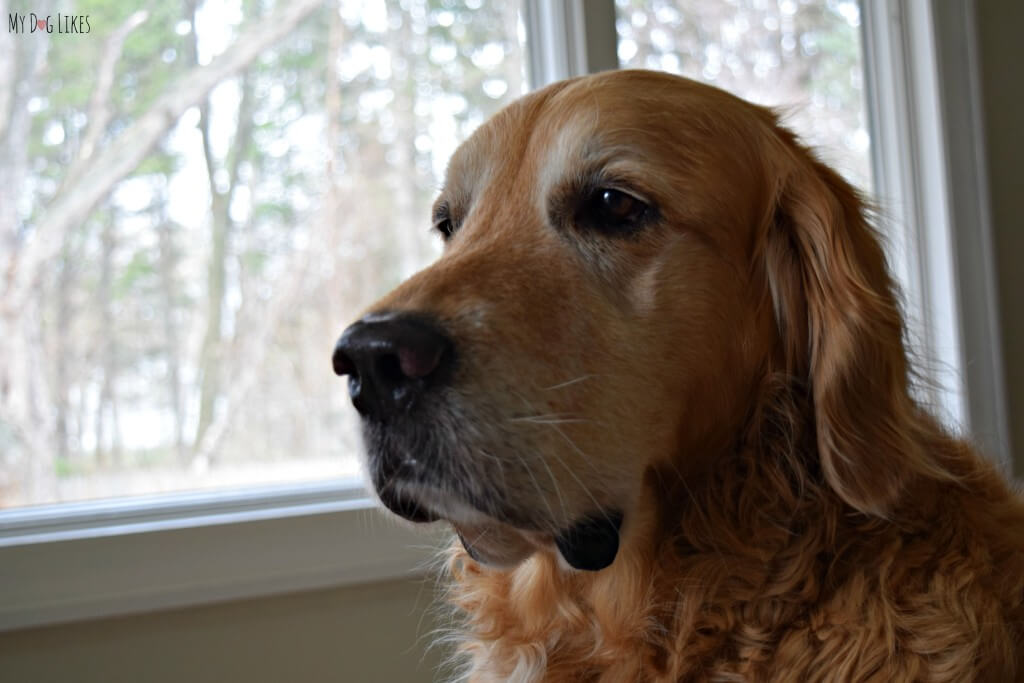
(390, 360)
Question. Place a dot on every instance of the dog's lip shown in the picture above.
(423, 503)
(590, 544)
(407, 507)
(488, 539)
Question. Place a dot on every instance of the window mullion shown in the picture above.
(569, 38)
(925, 142)
(909, 184)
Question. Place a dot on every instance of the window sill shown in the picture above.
(92, 560)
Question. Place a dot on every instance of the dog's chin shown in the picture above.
(591, 543)
(486, 539)
(495, 544)
(407, 506)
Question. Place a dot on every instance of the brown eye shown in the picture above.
(445, 227)
(443, 222)
(612, 212)
(621, 206)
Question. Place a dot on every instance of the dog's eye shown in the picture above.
(444, 223)
(445, 226)
(612, 211)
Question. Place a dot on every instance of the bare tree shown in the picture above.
(25, 400)
(108, 445)
(171, 339)
(125, 153)
(202, 330)
(221, 227)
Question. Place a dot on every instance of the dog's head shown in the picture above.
(628, 257)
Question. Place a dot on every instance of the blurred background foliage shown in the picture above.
(803, 57)
(178, 335)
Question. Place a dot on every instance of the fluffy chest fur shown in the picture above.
(763, 582)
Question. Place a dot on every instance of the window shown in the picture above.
(802, 58)
(175, 335)
(178, 258)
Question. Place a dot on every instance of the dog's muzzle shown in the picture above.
(395, 362)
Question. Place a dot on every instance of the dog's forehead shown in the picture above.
(542, 142)
(471, 163)
(618, 125)
(500, 142)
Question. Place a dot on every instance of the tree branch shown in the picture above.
(99, 109)
(121, 157)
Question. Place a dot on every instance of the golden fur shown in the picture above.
(733, 378)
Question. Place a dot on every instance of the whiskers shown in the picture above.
(554, 421)
(569, 383)
(390, 485)
(549, 418)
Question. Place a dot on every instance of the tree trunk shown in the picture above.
(211, 355)
(172, 346)
(216, 277)
(61, 351)
(24, 398)
(108, 438)
(403, 169)
(249, 350)
(24, 390)
(15, 123)
(7, 74)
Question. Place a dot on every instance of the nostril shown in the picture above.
(355, 392)
(416, 362)
(389, 369)
(343, 365)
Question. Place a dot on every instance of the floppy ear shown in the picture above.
(842, 333)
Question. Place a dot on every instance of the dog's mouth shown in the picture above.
(429, 461)
(422, 476)
(590, 544)
(407, 507)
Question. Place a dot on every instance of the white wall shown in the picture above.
(370, 634)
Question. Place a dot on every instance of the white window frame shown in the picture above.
(98, 559)
(927, 140)
(88, 560)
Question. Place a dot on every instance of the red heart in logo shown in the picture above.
(41, 23)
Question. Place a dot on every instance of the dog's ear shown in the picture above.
(842, 333)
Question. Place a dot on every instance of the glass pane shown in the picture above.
(168, 325)
(801, 56)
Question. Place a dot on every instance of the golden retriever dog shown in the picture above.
(658, 386)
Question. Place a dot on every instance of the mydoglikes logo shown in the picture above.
(31, 23)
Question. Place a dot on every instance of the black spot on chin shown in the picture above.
(592, 543)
